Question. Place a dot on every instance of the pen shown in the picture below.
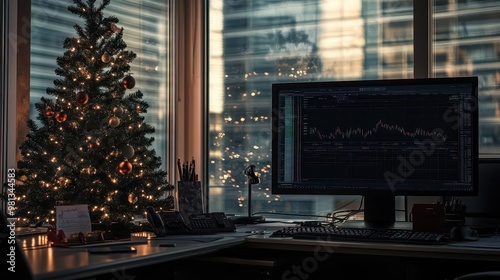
(167, 245)
(193, 174)
(185, 168)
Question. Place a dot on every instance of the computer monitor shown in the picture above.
(376, 138)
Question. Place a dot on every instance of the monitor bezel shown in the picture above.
(277, 189)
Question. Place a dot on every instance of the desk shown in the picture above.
(414, 261)
(76, 263)
(253, 246)
(377, 248)
(368, 260)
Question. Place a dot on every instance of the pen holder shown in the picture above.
(189, 197)
(454, 219)
(455, 215)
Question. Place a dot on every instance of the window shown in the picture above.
(145, 25)
(467, 42)
(256, 43)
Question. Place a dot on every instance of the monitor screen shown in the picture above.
(376, 138)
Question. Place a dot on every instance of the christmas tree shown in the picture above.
(91, 145)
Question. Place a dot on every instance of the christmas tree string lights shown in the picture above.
(92, 146)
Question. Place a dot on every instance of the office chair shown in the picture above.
(483, 275)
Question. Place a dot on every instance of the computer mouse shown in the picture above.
(463, 233)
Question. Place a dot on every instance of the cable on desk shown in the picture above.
(346, 212)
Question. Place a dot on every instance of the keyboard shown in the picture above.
(360, 234)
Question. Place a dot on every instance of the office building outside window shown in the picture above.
(253, 44)
(467, 42)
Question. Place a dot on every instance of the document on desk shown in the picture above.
(130, 241)
(73, 219)
(492, 242)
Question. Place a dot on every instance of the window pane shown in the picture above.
(145, 33)
(256, 43)
(467, 42)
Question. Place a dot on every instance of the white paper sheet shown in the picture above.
(73, 219)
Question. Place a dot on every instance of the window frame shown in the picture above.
(423, 41)
(182, 108)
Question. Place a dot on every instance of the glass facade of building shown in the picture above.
(467, 42)
(256, 43)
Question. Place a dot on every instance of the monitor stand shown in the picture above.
(379, 212)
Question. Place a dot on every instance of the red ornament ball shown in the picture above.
(49, 112)
(61, 116)
(82, 97)
(125, 167)
(129, 82)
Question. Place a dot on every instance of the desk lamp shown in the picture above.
(252, 179)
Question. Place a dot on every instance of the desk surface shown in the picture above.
(76, 262)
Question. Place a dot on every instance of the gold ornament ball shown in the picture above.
(105, 58)
(125, 167)
(132, 198)
(118, 111)
(128, 151)
(114, 121)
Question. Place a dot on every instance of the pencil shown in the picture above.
(179, 168)
(193, 174)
